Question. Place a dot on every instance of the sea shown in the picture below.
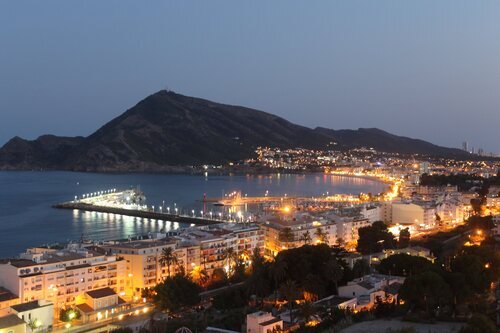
(27, 218)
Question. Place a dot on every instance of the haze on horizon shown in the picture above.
(423, 69)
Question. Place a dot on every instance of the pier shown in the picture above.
(137, 213)
(129, 203)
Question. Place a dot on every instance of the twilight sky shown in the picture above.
(426, 69)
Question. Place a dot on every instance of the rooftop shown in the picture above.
(142, 244)
(270, 322)
(23, 307)
(10, 321)
(100, 293)
(19, 263)
(6, 295)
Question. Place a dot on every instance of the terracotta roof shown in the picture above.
(100, 293)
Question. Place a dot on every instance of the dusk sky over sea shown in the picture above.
(429, 72)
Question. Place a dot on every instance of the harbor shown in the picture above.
(131, 203)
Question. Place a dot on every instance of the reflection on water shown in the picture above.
(94, 224)
(27, 219)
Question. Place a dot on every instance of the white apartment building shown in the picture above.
(347, 228)
(422, 216)
(142, 258)
(214, 240)
(303, 229)
(372, 213)
(61, 276)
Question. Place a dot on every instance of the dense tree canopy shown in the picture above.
(375, 238)
(404, 265)
(426, 291)
(176, 292)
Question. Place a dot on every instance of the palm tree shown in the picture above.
(258, 282)
(168, 258)
(286, 235)
(278, 272)
(290, 291)
(333, 272)
(306, 237)
(229, 256)
(321, 236)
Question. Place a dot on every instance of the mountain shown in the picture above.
(383, 141)
(46, 152)
(167, 131)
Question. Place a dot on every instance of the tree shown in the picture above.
(313, 287)
(426, 291)
(200, 275)
(306, 237)
(307, 310)
(375, 238)
(480, 222)
(478, 276)
(360, 268)
(258, 282)
(218, 279)
(404, 238)
(321, 236)
(69, 314)
(278, 271)
(403, 264)
(479, 323)
(239, 270)
(168, 258)
(286, 235)
(333, 272)
(340, 242)
(176, 292)
(290, 292)
(229, 256)
(34, 324)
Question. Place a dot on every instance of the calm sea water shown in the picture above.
(27, 219)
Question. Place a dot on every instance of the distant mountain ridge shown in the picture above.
(167, 130)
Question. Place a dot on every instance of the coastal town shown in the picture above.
(425, 249)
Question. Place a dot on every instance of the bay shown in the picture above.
(27, 218)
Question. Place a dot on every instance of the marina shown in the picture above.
(37, 223)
